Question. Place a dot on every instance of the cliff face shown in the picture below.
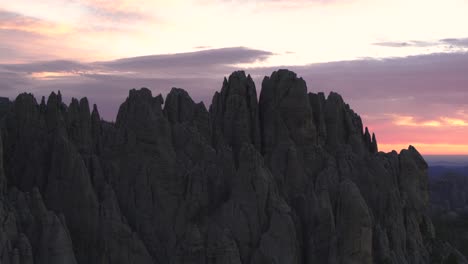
(289, 177)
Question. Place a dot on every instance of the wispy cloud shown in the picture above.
(46, 66)
(448, 42)
(443, 121)
(202, 47)
(414, 43)
(411, 121)
(462, 42)
(200, 64)
(456, 122)
(211, 58)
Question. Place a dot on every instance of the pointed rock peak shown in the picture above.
(95, 113)
(25, 97)
(285, 111)
(367, 137)
(84, 109)
(53, 112)
(284, 85)
(201, 107)
(59, 95)
(335, 97)
(42, 106)
(370, 141)
(284, 74)
(234, 113)
(143, 93)
(74, 104)
(73, 110)
(144, 96)
(140, 106)
(237, 75)
(319, 98)
(79, 110)
(54, 100)
(84, 104)
(178, 92)
(414, 154)
(374, 146)
(179, 107)
(25, 105)
(238, 83)
(159, 99)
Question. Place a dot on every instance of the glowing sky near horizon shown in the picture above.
(293, 33)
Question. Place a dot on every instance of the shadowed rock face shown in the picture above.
(292, 177)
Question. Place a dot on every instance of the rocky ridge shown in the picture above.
(286, 177)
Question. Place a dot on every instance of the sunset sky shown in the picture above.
(401, 64)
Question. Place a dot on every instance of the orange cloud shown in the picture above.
(401, 120)
(52, 75)
(455, 121)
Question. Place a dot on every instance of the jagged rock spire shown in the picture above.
(285, 111)
(374, 148)
(235, 112)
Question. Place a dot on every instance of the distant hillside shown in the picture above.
(446, 160)
(449, 205)
(439, 171)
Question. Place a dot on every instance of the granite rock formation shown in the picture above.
(289, 177)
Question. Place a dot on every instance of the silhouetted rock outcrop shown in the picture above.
(234, 111)
(291, 178)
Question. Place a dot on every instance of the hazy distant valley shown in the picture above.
(448, 181)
